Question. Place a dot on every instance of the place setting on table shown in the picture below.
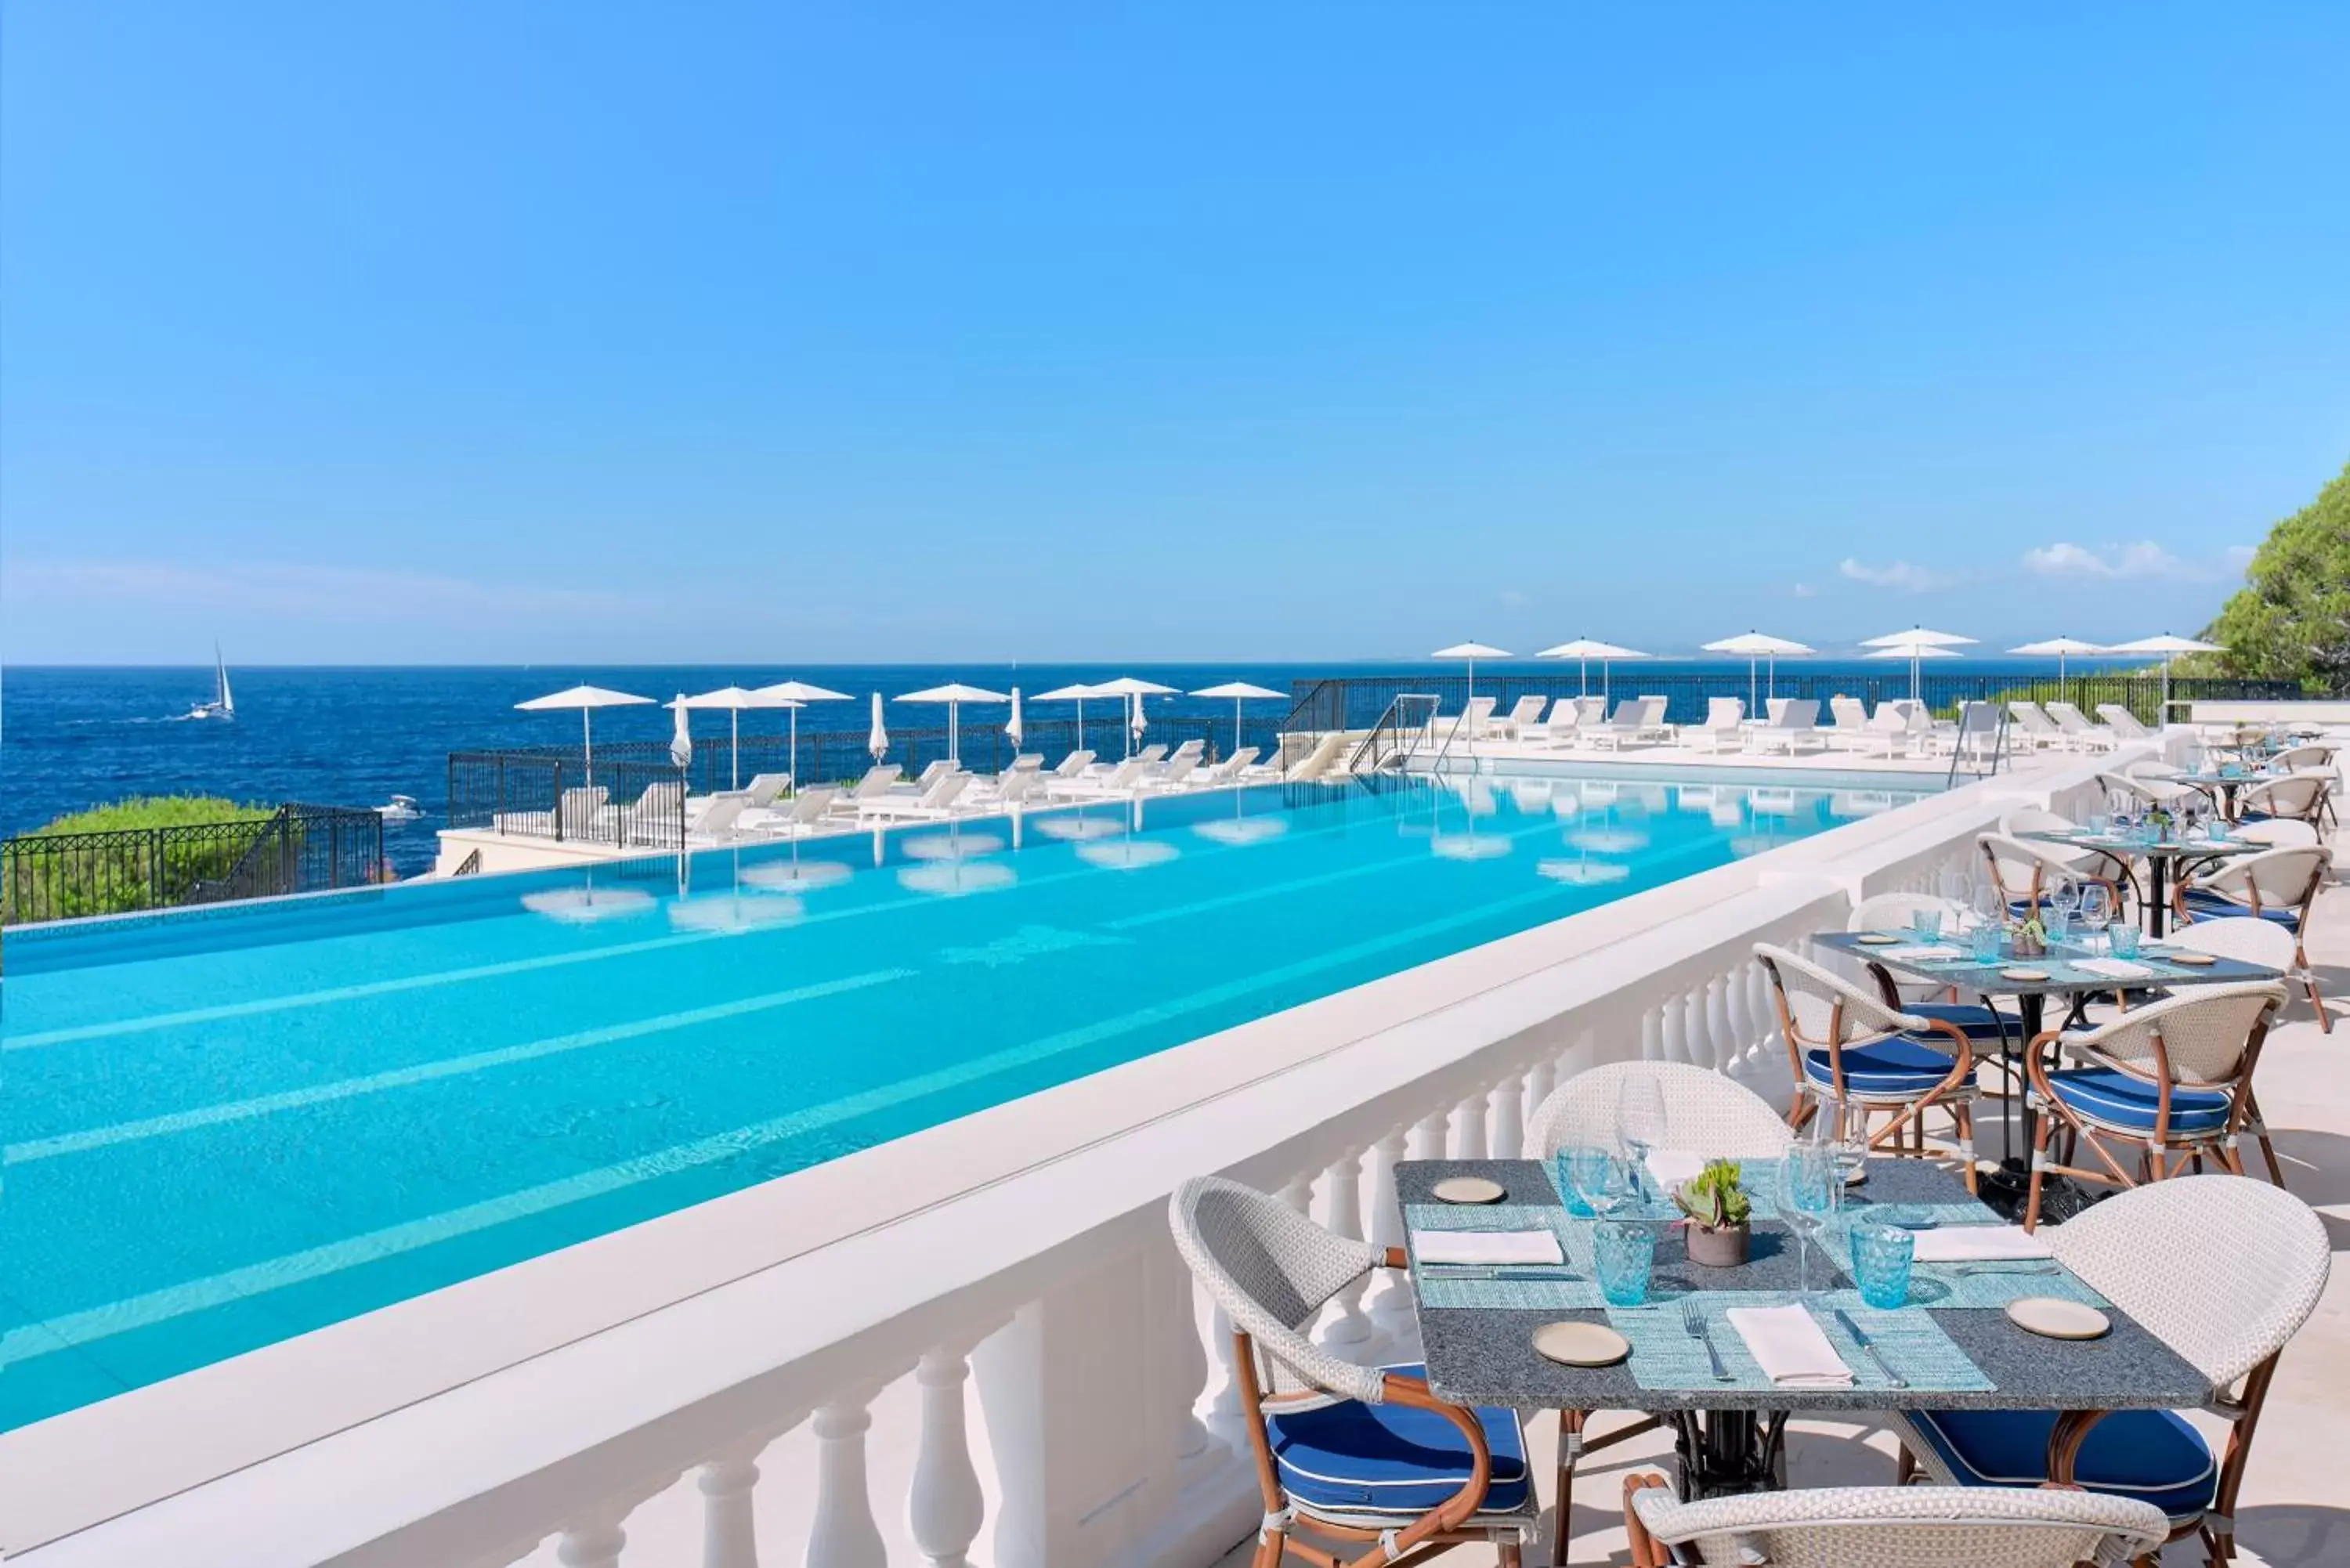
(2072, 951)
(1726, 1295)
(2171, 842)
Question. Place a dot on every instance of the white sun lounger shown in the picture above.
(2084, 735)
(765, 788)
(1848, 729)
(1231, 768)
(1117, 781)
(1074, 765)
(874, 785)
(803, 816)
(1793, 730)
(2037, 729)
(934, 801)
(1523, 715)
(1175, 772)
(1725, 721)
(2123, 723)
(1638, 721)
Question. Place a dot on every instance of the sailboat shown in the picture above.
(223, 703)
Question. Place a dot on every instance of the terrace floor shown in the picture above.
(2293, 1510)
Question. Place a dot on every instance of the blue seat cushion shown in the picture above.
(1900, 1066)
(1980, 1022)
(2150, 1455)
(2207, 905)
(1349, 1456)
(2113, 1097)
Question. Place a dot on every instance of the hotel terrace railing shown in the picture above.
(1357, 701)
(296, 848)
(813, 1408)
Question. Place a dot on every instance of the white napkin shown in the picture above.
(1788, 1345)
(1979, 1244)
(1486, 1247)
(1921, 951)
(1671, 1166)
(2113, 969)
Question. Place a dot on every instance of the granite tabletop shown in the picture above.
(2058, 968)
(1484, 1355)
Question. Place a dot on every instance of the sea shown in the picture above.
(73, 737)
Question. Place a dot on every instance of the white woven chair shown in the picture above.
(1845, 1044)
(1353, 1453)
(2224, 1270)
(2247, 941)
(2165, 1080)
(1926, 998)
(1887, 1527)
(2279, 885)
(2024, 871)
(2296, 797)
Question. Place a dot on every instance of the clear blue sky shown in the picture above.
(456, 332)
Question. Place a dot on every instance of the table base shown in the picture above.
(1728, 1453)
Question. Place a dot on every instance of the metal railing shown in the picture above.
(617, 802)
(1396, 735)
(298, 848)
(1358, 701)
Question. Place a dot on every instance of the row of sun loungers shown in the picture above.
(1792, 725)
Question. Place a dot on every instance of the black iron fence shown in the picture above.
(298, 848)
(620, 800)
(1356, 702)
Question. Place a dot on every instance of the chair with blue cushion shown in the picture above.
(1351, 1454)
(2150, 1092)
(2223, 1269)
(2026, 872)
(1851, 1051)
(1984, 1022)
(2279, 885)
(1884, 1527)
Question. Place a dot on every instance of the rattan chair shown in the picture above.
(2164, 1082)
(1705, 1113)
(2222, 1269)
(1926, 998)
(2295, 798)
(1887, 1527)
(1354, 1454)
(2026, 872)
(1845, 1044)
(2279, 885)
(2249, 941)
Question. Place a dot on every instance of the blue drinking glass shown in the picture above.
(1625, 1255)
(1562, 1168)
(1881, 1256)
(2124, 937)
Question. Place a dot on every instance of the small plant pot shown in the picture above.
(1717, 1246)
(2030, 947)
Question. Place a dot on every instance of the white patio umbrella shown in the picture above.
(1240, 692)
(954, 694)
(1920, 635)
(793, 694)
(877, 739)
(1134, 690)
(586, 699)
(1752, 646)
(1077, 694)
(1012, 725)
(733, 699)
(1583, 651)
(2170, 648)
(2060, 648)
(681, 737)
(1471, 652)
(1914, 652)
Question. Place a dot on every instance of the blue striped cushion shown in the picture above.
(1901, 1066)
(2116, 1100)
(2150, 1455)
(1981, 1022)
(2212, 906)
(1349, 1456)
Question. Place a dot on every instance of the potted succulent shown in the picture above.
(1718, 1232)
(2030, 939)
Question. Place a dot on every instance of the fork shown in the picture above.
(1694, 1324)
(1962, 1270)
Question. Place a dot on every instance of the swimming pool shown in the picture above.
(225, 1127)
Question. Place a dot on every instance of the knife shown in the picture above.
(1499, 1270)
(1868, 1348)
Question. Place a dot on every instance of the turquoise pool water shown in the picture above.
(226, 1127)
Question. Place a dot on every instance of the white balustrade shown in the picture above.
(1509, 1117)
(730, 1537)
(592, 1543)
(1345, 1325)
(844, 1534)
(945, 1508)
(1469, 1129)
(1390, 1306)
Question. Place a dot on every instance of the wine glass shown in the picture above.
(2096, 907)
(1640, 1123)
(2063, 903)
(1807, 1192)
(1851, 1146)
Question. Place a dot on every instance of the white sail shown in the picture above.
(220, 698)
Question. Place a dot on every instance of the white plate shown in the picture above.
(1876, 939)
(1581, 1344)
(2023, 974)
(1466, 1189)
(2052, 1317)
(2197, 960)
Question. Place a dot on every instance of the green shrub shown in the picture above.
(124, 857)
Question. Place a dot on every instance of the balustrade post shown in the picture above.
(1469, 1127)
(1428, 1136)
(593, 1543)
(1717, 1025)
(1226, 1417)
(843, 1535)
(1652, 1038)
(943, 1506)
(729, 1534)
(1391, 1302)
(1738, 1019)
(1345, 1325)
(1509, 1117)
(1672, 1037)
(1541, 1079)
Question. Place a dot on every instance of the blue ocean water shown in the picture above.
(229, 1125)
(70, 738)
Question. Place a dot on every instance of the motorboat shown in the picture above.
(400, 808)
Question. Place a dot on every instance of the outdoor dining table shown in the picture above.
(1952, 1346)
(2059, 972)
(2159, 854)
(2227, 784)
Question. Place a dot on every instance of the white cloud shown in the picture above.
(2142, 559)
(2240, 557)
(1806, 591)
(1902, 577)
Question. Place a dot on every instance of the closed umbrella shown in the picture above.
(1913, 652)
(954, 694)
(1076, 694)
(680, 738)
(1240, 692)
(1471, 652)
(1135, 689)
(2059, 648)
(2170, 648)
(1583, 651)
(733, 699)
(586, 699)
(877, 739)
(1012, 725)
(1752, 646)
(792, 694)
